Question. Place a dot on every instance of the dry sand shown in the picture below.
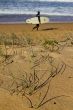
(61, 85)
(52, 30)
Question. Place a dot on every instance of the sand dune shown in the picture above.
(37, 75)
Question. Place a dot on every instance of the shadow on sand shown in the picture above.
(49, 29)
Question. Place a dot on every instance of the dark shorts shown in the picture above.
(37, 25)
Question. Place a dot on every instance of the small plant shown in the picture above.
(50, 44)
(1, 52)
(29, 40)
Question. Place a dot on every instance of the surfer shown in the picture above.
(37, 25)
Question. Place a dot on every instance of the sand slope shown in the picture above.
(57, 92)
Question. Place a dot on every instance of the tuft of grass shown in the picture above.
(50, 44)
(1, 52)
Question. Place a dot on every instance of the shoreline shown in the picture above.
(10, 23)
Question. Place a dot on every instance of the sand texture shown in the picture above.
(36, 67)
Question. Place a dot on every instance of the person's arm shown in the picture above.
(37, 15)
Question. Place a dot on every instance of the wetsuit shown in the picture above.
(38, 15)
(37, 25)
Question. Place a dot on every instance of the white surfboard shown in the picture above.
(35, 20)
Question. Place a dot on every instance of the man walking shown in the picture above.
(37, 25)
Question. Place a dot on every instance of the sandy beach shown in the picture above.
(36, 67)
(53, 30)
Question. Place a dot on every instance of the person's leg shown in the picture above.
(37, 27)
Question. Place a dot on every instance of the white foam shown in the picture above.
(51, 0)
(47, 11)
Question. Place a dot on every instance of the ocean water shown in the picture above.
(20, 10)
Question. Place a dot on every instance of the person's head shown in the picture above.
(38, 12)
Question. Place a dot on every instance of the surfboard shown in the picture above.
(35, 20)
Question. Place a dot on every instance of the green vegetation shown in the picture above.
(50, 44)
